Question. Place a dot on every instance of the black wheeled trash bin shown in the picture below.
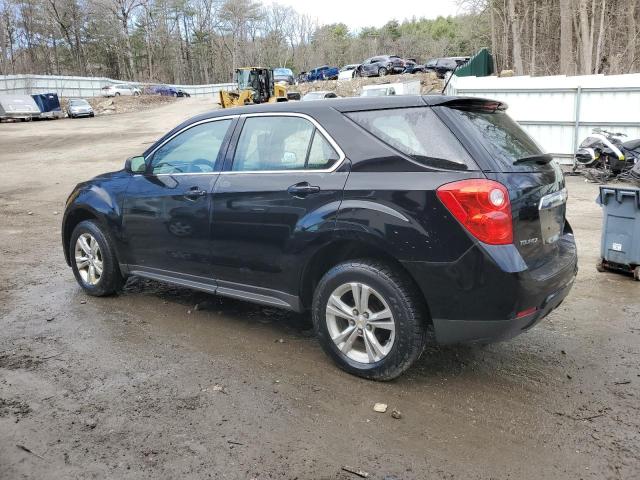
(620, 243)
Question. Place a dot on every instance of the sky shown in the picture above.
(363, 13)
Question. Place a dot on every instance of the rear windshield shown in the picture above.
(418, 133)
(499, 134)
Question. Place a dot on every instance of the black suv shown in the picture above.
(388, 218)
(443, 65)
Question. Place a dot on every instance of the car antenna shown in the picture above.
(449, 79)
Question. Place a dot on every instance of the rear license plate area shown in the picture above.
(552, 213)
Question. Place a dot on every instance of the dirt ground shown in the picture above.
(146, 385)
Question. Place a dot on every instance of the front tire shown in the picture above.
(382, 72)
(93, 260)
(370, 319)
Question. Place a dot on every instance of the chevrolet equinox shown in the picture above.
(394, 221)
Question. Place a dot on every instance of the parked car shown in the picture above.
(411, 66)
(284, 75)
(164, 90)
(348, 71)
(79, 107)
(118, 89)
(381, 66)
(322, 73)
(430, 66)
(183, 93)
(319, 95)
(448, 64)
(386, 218)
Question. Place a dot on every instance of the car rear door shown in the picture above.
(276, 197)
(166, 210)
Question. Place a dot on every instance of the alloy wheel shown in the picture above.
(88, 259)
(360, 322)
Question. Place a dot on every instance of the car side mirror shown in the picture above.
(135, 164)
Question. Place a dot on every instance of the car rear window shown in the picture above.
(499, 134)
(418, 133)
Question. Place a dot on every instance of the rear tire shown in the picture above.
(380, 349)
(93, 260)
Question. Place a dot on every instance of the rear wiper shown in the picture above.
(541, 159)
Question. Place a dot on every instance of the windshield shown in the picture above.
(283, 72)
(314, 96)
(590, 142)
(242, 78)
(78, 102)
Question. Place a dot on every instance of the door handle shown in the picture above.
(195, 192)
(302, 189)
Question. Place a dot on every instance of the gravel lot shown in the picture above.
(146, 385)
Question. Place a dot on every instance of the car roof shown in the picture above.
(349, 104)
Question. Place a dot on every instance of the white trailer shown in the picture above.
(411, 87)
(18, 106)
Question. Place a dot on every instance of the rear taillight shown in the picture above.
(482, 207)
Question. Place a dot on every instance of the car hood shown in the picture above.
(103, 177)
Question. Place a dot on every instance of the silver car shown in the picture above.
(120, 89)
(79, 108)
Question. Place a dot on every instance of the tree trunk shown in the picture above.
(567, 62)
(601, 36)
(586, 46)
(534, 27)
(127, 44)
(631, 34)
(516, 41)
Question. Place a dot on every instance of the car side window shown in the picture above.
(273, 143)
(418, 133)
(321, 154)
(193, 151)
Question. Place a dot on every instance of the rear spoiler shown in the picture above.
(466, 103)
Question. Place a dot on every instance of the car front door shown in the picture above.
(166, 210)
(281, 185)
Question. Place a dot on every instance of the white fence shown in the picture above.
(559, 111)
(66, 86)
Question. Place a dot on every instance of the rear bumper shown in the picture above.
(478, 297)
(486, 331)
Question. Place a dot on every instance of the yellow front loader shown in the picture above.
(255, 85)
